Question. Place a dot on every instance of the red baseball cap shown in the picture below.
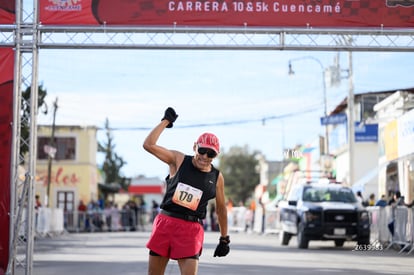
(209, 140)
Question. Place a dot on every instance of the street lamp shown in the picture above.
(292, 72)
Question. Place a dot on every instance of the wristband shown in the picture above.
(225, 239)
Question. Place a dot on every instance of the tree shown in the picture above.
(26, 114)
(112, 165)
(239, 170)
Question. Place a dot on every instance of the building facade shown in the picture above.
(396, 144)
(363, 159)
(66, 170)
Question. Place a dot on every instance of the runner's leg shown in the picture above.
(157, 265)
(188, 266)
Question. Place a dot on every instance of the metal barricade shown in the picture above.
(83, 222)
(42, 223)
(384, 234)
(77, 221)
(379, 222)
(272, 221)
(49, 221)
(98, 220)
(128, 220)
(411, 227)
(237, 219)
(398, 227)
(374, 213)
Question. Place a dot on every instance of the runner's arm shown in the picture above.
(221, 208)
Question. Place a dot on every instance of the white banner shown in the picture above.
(406, 134)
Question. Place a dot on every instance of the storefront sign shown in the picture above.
(406, 134)
(59, 177)
(366, 132)
(333, 119)
(390, 140)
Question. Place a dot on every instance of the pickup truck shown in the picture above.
(315, 211)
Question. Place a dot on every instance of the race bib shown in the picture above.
(187, 196)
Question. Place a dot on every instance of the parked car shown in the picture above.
(315, 211)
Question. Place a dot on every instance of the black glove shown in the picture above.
(171, 116)
(223, 247)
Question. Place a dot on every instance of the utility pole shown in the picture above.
(351, 130)
(51, 154)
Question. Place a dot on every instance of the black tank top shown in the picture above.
(194, 186)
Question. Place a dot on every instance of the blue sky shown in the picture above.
(132, 88)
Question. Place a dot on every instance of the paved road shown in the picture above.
(125, 253)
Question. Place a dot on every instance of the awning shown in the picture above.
(109, 187)
(360, 184)
(145, 189)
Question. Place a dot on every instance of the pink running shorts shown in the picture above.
(176, 238)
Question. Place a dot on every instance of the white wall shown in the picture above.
(342, 164)
(366, 161)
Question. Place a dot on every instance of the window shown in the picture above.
(367, 105)
(66, 200)
(320, 194)
(65, 148)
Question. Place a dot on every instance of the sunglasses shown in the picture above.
(210, 153)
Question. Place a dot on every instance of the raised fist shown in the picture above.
(171, 116)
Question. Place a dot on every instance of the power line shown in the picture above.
(223, 123)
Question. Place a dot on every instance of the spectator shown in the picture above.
(37, 207)
(134, 209)
(398, 200)
(83, 221)
(38, 204)
(82, 206)
(94, 215)
(142, 214)
(391, 196)
(213, 218)
(371, 200)
(263, 206)
(382, 202)
(253, 209)
(155, 209)
(108, 215)
(115, 217)
(125, 217)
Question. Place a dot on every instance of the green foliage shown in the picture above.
(26, 115)
(113, 163)
(239, 168)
